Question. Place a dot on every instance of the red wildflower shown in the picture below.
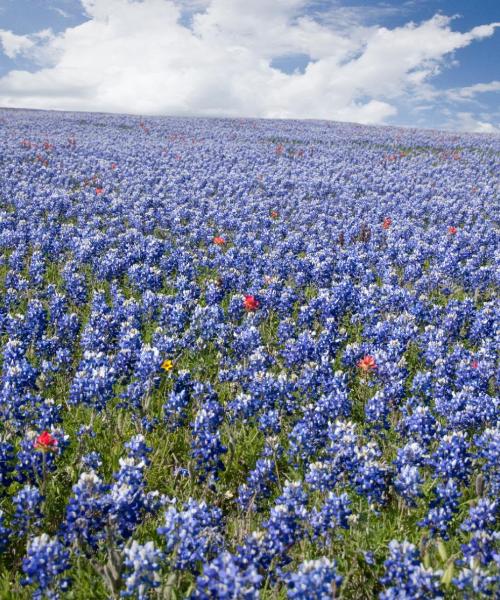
(387, 223)
(99, 191)
(250, 303)
(452, 230)
(45, 441)
(279, 149)
(474, 364)
(367, 363)
(113, 166)
(274, 214)
(219, 241)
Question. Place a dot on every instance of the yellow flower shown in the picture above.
(167, 365)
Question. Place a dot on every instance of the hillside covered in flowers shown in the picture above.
(247, 359)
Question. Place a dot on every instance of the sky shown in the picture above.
(417, 63)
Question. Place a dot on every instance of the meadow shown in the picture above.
(247, 359)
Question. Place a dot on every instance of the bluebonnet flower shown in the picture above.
(355, 255)
(420, 423)
(87, 512)
(75, 283)
(146, 377)
(405, 577)
(47, 414)
(142, 563)
(482, 516)
(314, 580)
(371, 476)
(310, 432)
(286, 519)
(482, 547)
(138, 449)
(6, 463)
(45, 561)
(408, 484)
(128, 500)
(334, 513)
(206, 445)
(175, 407)
(35, 321)
(129, 347)
(340, 457)
(92, 461)
(475, 582)
(37, 268)
(452, 458)
(18, 376)
(488, 449)
(224, 579)
(4, 533)
(378, 409)
(442, 509)
(101, 329)
(468, 409)
(261, 478)
(192, 535)
(93, 381)
(28, 515)
(408, 481)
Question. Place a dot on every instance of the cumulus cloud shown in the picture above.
(13, 44)
(215, 57)
(467, 121)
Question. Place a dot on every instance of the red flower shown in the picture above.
(452, 230)
(367, 363)
(219, 241)
(474, 364)
(45, 441)
(274, 214)
(99, 191)
(387, 223)
(250, 303)
(113, 166)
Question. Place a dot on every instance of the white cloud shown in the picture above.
(471, 91)
(13, 44)
(466, 121)
(142, 57)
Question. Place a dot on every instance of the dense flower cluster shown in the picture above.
(235, 354)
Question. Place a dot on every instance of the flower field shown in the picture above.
(247, 359)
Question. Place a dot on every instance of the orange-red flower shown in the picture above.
(99, 191)
(274, 214)
(474, 364)
(113, 166)
(250, 303)
(367, 364)
(45, 441)
(452, 230)
(219, 241)
(387, 223)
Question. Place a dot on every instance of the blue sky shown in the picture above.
(427, 63)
